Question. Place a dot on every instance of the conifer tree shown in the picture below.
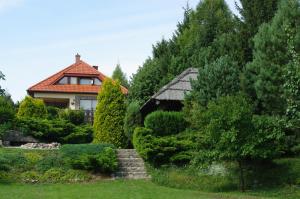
(118, 74)
(265, 75)
(109, 115)
(2, 77)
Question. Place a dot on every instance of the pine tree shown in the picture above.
(265, 75)
(118, 74)
(217, 79)
(109, 115)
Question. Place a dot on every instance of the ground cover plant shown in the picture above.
(72, 163)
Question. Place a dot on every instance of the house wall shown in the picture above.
(73, 98)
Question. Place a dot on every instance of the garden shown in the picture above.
(237, 135)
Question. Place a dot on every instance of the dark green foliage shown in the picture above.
(163, 150)
(253, 13)
(2, 77)
(133, 119)
(52, 112)
(119, 75)
(145, 82)
(96, 157)
(31, 107)
(74, 116)
(165, 123)
(228, 131)
(109, 115)
(55, 130)
(7, 110)
(219, 78)
(204, 35)
(265, 75)
(7, 114)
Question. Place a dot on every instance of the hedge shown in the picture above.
(165, 123)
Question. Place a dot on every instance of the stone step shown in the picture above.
(132, 169)
(131, 164)
(132, 175)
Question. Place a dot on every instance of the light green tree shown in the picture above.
(109, 115)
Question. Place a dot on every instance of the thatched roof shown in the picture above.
(175, 90)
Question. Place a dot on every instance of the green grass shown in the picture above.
(119, 189)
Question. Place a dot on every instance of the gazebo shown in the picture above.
(171, 96)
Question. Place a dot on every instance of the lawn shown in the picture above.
(119, 189)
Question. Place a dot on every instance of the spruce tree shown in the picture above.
(109, 115)
(119, 75)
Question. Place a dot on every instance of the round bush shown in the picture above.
(165, 123)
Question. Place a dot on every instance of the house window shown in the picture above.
(86, 81)
(64, 80)
(97, 82)
(88, 104)
(73, 80)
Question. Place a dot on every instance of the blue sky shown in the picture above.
(39, 38)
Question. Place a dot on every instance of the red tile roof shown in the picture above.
(78, 69)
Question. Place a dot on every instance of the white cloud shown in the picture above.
(5, 4)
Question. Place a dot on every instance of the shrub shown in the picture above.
(60, 131)
(163, 150)
(133, 119)
(30, 177)
(96, 157)
(109, 115)
(165, 123)
(7, 110)
(81, 134)
(51, 160)
(53, 112)
(31, 107)
(74, 116)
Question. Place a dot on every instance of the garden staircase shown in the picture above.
(131, 165)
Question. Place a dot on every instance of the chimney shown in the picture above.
(77, 58)
(95, 67)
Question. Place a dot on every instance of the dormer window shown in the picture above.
(73, 80)
(64, 80)
(97, 82)
(79, 81)
(86, 81)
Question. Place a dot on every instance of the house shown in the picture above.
(171, 96)
(75, 87)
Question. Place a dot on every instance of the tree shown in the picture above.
(253, 13)
(229, 132)
(109, 115)
(119, 75)
(133, 119)
(31, 107)
(204, 35)
(264, 76)
(220, 78)
(2, 77)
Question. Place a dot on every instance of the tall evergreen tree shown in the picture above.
(118, 74)
(264, 76)
(203, 36)
(2, 77)
(109, 115)
(253, 13)
(215, 80)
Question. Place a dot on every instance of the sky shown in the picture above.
(39, 38)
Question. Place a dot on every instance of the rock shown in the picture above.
(53, 145)
(17, 138)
